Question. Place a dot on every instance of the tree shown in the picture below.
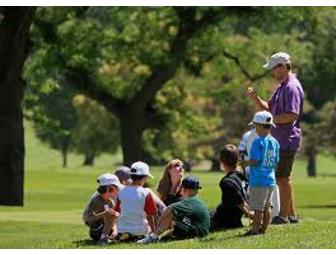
(325, 134)
(64, 120)
(318, 81)
(14, 35)
(96, 130)
(50, 107)
(126, 61)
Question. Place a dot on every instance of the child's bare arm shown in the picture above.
(245, 163)
(244, 207)
(151, 221)
(97, 216)
(100, 215)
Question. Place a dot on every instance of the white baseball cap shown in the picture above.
(108, 180)
(140, 168)
(277, 59)
(263, 117)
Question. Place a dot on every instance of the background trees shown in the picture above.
(175, 88)
(125, 61)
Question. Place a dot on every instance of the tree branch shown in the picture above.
(82, 81)
(251, 78)
(79, 78)
(188, 28)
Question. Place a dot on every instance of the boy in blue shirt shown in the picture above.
(264, 157)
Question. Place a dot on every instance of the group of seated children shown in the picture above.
(123, 209)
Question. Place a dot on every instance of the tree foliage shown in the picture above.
(96, 131)
(175, 78)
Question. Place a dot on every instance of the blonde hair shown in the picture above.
(165, 182)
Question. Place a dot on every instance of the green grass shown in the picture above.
(55, 197)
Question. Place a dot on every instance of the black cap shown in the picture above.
(191, 182)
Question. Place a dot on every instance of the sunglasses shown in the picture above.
(178, 165)
(111, 189)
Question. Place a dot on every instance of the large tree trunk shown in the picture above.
(131, 137)
(14, 35)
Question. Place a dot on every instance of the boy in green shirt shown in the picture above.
(185, 219)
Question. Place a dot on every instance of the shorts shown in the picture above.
(260, 198)
(285, 164)
(96, 230)
(180, 233)
(182, 227)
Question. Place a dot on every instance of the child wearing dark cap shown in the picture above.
(124, 175)
(185, 219)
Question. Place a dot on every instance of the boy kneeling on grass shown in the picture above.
(188, 218)
(264, 157)
(99, 213)
(136, 205)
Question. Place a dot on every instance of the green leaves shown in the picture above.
(79, 43)
(97, 130)
(121, 48)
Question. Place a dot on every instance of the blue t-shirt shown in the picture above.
(264, 149)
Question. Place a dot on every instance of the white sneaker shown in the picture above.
(104, 241)
(151, 238)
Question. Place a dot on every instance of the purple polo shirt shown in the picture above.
(288, 98)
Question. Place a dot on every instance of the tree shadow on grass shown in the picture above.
(327, 175)
(235, 235)
(332, 206)
(220, 238)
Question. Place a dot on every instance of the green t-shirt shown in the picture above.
(192, 216)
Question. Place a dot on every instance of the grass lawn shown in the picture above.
(55, 197)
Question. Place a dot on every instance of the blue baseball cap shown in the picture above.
(191, 182)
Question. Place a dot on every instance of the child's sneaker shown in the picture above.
(277, 220)
(151, 238)
(250, 233)
(293, 219)
(104, 241)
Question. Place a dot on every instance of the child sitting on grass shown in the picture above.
(99, 213)
(264, 156)
(233, 186)
(136, 206)
(187, 218)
